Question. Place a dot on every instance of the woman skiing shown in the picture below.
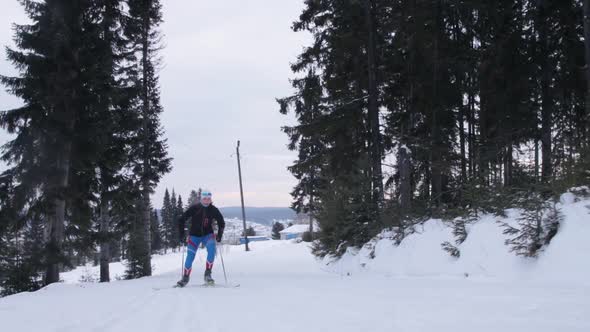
(202, 216)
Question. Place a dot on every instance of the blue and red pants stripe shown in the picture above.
(193, 244)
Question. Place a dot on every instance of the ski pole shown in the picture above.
(222, 264)
(184, 245)
(182, 262)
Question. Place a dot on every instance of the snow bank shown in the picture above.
(161, 264)
(171, 263)
(282, 288)
(483, 254)
(566, 259)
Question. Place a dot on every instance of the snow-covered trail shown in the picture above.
(283, 288)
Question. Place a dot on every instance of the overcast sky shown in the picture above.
(225, 62)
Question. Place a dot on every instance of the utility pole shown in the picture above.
(242, 196)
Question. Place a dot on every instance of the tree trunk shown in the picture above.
(311, 197)
(472, 86)
(471, 132)
(462, 144)
(435, 150)
(481, 148)
(311, 213)
(104, 224)
(587, 71)
(405, 188)
(56, 221)
(536, 160)
(427, 193)
(404, 154)
(546, 100)
(105, 242)
(464, 86)
(144, 245)
(508, 166)
(377, 174)
(145, 235)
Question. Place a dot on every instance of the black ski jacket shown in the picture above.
(201, 221)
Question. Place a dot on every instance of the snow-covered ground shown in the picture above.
(413, 287)
(483, 254)
(283, 288)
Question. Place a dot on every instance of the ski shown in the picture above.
(206, 285)
(164, 288)
(168, 287)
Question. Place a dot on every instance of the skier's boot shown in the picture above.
(208, 279)
(185, 278)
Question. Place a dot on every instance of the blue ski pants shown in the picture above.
(193, 244)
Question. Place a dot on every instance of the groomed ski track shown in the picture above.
(283, 288)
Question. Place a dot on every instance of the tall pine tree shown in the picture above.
(150, 155)
(55, 56)
(479, 102)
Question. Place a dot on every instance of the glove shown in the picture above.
(218, 238)
(182, 240)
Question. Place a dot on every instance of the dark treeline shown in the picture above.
(87, 149)
(172, 209)
(415, 109)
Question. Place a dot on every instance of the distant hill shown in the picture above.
(261, 215)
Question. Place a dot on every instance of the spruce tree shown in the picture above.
(150, 157)
(55, 56)
(173, 203)
(193, 198)
(277, 227)
(167, 221)
(250, 231)
(480, 101)
(586, 20)
(156, 233)
(304, 138)
(179, 206)
(116, 122)
(173, 218)
(346, 124)
(23, 266)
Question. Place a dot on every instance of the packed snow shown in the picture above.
(483, 254)
(415, 286)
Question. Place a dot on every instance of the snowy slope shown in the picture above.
(162, 264)
(411, 288)
(283, 288)
(483, 254)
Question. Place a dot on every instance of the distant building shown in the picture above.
(296, 231)
(254, 239)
